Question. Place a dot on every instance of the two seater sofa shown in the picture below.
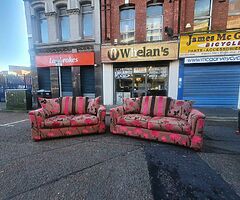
(159, 118)
(67, 116)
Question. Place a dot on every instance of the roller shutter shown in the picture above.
(88, 81)
(212, 85)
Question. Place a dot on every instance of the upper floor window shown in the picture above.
(127, 24)
(87, 20)
(42, 27)
(233, 14)
(154, 22)
(64, 29)
(202, 15)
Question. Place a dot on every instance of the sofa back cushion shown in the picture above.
(50, 106)
(93, 105)
(131, 105)
(80, 105)
(154, 105)
(66, 105)
(179, 109)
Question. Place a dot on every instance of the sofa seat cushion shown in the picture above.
(84, 120)
(136, 120)
(170, 124)
(57, 121)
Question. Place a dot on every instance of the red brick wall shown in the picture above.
(111, 30)
(170, 19)
(219, 15)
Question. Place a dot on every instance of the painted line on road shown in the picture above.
(12, 123)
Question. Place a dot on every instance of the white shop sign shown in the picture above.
(212, 59)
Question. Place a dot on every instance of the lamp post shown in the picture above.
(58, 63)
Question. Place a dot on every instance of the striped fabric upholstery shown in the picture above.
(80, 105)
(66, 105)
(154, 105)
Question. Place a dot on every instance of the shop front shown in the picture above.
(210, 69)
(139, 70)
(65, 74)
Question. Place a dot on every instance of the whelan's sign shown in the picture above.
(216, 44)
(140, 52)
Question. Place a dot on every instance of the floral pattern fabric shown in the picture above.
(131, 105)
(51, 106)
(57, 121)
(193, 139)
(170, 124)
(93, 105)
(136, 120)
(179, 109)
(84, 120)
(43, 126)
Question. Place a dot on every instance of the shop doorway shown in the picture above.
(66, 81)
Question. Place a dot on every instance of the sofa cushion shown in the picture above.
(93, 105)
(84, 120)
(154, 105)
(50, 106)
(66, 105)
(170, 124)
(80, 105)
(57, 121)
(136, 120)
(131, 105)
(179, 109)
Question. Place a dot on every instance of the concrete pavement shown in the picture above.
(116, 167)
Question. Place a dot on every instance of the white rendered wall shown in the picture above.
(173, 79)
(108, 84)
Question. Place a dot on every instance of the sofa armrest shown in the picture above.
(115, 113)
(197, 121)
(101, 114)
(36, 117)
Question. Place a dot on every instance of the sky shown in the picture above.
(13, 34)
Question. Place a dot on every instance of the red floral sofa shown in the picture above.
(67, 116)
(159, 118)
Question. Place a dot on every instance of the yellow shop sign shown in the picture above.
(227, 43)
(140, 52)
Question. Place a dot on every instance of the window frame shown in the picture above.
(209, 17)
(161, 16)
(134, 22)
(86, 4)
(40, 12)
(59, 15)
(230, 15)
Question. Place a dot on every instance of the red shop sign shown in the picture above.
(68, 59)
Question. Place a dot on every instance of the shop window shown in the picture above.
(140, 81)
(42, 27)
(233, 14)
(202, 15)
(127, 24)
(154, 22)
(64, 28)
(87, 21)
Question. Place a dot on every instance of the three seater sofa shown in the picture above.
(67, 116)
(159, 118)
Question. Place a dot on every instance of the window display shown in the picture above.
(140, 81)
